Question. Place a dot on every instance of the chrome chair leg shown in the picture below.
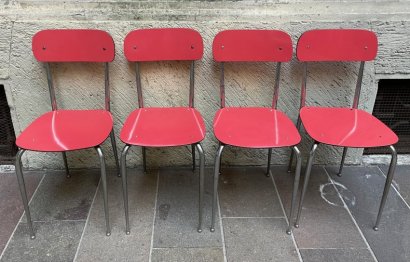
(144, 159)
(114, 149)
(269, 159)
(67, 171)
(295, 188)
(306, 182)
(201, 185)
(216, 178)
(193, 157)
(342, 162)
(22, 187)
(124, 187)
(104, 188)
(387, 185)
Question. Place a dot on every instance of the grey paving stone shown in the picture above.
(11, 206)
(401, 180)
(324, 223)
(336, 255)
(55, 241)
(96, 246)
(247, 192)
(392, 241)
(187, 254)
(61, 198)
(258, 239)
(176, 218)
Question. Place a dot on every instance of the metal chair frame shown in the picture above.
(21, 151)
(316, 144)
(295, 149)
(196, 146)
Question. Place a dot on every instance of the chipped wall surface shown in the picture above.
(166, 84)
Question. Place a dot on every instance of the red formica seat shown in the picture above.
(163, 126)
(67, 130)
(342, 126)
(253, 127)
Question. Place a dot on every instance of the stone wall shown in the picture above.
(166, 84)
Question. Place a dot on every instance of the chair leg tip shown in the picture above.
(288, 231)
(267, 175)
(296, 225)
(375, 228)
(33, 237)
(68, 176)
(127, 232)
(212, 229)
(339, 174)
(119, 175)
(108, 234)
(289, 170)
(199, 230)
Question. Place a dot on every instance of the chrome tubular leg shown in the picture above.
(114, 149)
(295, 188)
(104, 188)
(193, 156)
(201, 184)
(269, 158)
(306, 182)
(387, 185)
(144, 159)
(67, 171)
(216, 178)
(22, 187)
(124, 186)
(290, 161)
(342, 162)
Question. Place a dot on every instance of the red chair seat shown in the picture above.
(346, 127)
(254, 127)
(65, 130)
(161, 127)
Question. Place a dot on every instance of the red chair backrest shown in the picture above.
(252, 46)
(73, 45)
(337, 45)
(163, 44)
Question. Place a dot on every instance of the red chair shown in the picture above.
(254, 127)
(67, 130)
(339, 126)
(165, 126)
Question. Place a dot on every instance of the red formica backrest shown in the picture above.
(73, 45)
(337, 45)
(252, 46)
(163, 44)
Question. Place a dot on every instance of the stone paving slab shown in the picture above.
(55, 241)
(187, 254)
(176, 217)
(337, 255)
(96, 246)
(61, 198)
(401, 180)
(247, 192)
(324, 222)
(392, 241)
(258, 239)
(11, 206)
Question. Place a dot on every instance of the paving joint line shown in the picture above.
(21, 217)
(286, 218)
(395, 189)
(351, 216)
(222, 230)
(86, 221)
(153, 219)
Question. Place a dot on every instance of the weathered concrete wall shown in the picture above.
(164, 84)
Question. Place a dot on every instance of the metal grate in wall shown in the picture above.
(392, 107)
(8, 147)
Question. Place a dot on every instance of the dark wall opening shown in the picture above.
(8, 147)
(392, 107)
